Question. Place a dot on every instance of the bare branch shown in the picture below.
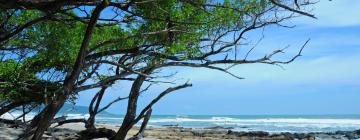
(161, 95)
(291, 9)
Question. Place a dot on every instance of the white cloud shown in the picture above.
(331, 70)
(334, 13)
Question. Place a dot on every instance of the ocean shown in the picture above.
(268, 123)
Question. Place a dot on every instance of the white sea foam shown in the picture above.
(266, 124)
(31, 115)
(15, 115)
(269, 120)
(77, 116)
(270, 124)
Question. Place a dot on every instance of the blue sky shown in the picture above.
(325, 80)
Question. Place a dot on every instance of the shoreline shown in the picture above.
(71, 131)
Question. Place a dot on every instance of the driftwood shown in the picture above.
(61, 122)
(10, 122)
(96, 133)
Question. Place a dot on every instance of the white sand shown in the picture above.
(9, 133)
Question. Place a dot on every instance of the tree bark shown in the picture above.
(141, 132)
(43, 120)
(129, 118)
(90, 123)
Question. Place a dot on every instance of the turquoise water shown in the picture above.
(269, 123)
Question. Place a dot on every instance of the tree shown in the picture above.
(134, 42)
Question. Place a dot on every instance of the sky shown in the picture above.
(325, 80)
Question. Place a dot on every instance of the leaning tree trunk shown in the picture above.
(90, 123)
(129, 119)
(141, 132)
(43, 120)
